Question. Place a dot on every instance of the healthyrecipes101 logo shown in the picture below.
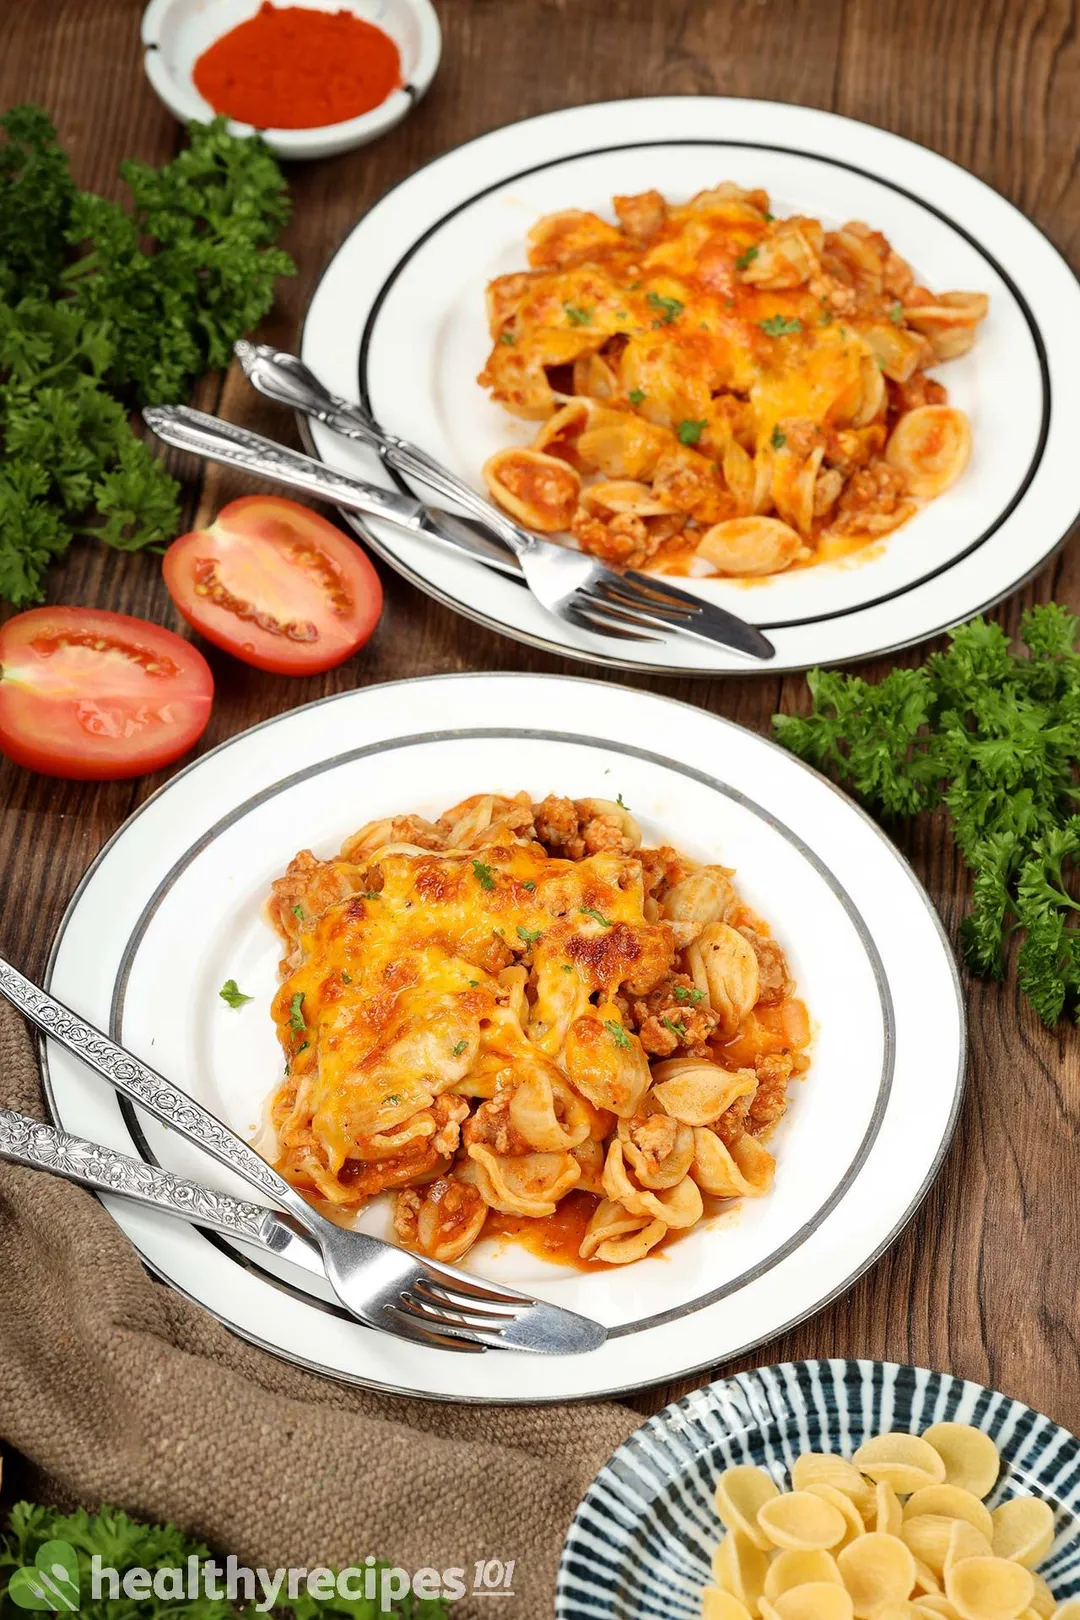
(52, 1584)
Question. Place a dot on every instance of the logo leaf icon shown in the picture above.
(51, 1583)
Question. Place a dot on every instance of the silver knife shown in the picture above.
(207, 436)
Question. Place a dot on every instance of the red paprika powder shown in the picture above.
(289, 67)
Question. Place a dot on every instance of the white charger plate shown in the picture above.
(397, 321)
(173, 907)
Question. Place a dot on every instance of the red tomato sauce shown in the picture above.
(292, 68)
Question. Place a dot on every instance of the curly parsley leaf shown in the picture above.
(231, 993)
(617, 1032)
(483, 874)
(781, 325)
(103, 309)
(991, 733)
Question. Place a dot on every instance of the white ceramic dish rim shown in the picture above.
(680, 114)
(185, 102)
(514, 1397)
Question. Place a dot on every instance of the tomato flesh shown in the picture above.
(92, 696)
(275, 585)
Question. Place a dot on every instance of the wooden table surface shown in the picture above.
(983, 1282)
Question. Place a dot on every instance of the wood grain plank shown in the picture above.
(983, 1281)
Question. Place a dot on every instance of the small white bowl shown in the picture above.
(175, 33)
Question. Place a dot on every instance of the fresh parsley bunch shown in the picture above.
(993, 734)
(122, 1544)
(102, 309)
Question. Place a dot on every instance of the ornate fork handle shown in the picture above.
(42, 1147)
(145, 1086)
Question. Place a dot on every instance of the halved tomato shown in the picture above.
(276, 585)
(92, 695)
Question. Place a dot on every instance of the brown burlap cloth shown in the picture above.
(118, 1390)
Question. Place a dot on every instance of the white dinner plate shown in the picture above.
(174, 906)
(397, 321)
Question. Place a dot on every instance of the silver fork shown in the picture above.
(569, 584)
(390, 1289)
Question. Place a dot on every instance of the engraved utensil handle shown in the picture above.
(203, 435)
(285, 378)
(127, 1074)
(42, 1147)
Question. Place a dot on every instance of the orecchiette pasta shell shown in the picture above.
(826, 1468)
(954, 1503)
(615, 495)
(969, 1456)
(740, 1492)
(873, 399)
(897, 351)
(799, 1519)
(593, 376)
(1023, 1529)
(936, 1603)
(725, 965)
(964, 1542)
(799, 1566)
(609, 1073)
(900, 1450)
(931, 446)
(927, 1584)
(793, 483)
(450, 1219)
(696, 1092)
(701, 898)
(746, 546)
(785, 259)
(843, 1505)
(590, 1156)
(539, 490)
(888, 1514)
(621, 444)
(817, 1600)
(927, 1535)
(1042, 1599)
(531, 1184)
(745, 1170)
(739, 1567)
(876, 1569)
(1068, 1611)
(611, 811)
(561, 431)
(545, 1111)
(949, 322)
(569, 236)
(717, 1604)
(989, 1588)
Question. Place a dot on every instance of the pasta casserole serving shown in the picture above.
(516, 1017)
(722, 391)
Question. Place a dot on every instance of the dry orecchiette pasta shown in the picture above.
(720, 384)
(521, 1020)
(899, 1531)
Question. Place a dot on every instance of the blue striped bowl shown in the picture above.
(641, 1540)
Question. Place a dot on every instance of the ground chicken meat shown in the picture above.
(872, 492)
(732, 1123)
(918, 390)
(624, 539)
(492, 956)
(491, 1125)
(661, 869)
(655, 1138)
(775, 985)
(673, 1017)
(406, 1215)
(557, 827)
(769, 1102)
(641, 216)
(448, 1113)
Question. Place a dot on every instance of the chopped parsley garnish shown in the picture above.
(825, 318)
(297, 1020)
(484, 875)
(681, 993)
(622, 314)
(669, 309)
(529, 935)
(302, 1048)
(778, 439)
(508, 338)
(678, 1029)
(529, 884)
(346, 978)
(475, 984)
(636, 395)
(567, 967)
(590, 911)
(689, 431)
(780, 325)
(769, 218)
(896, 313)
(578, 316)
(746, 259)
(620, 802)
(298, 913)
(231, 993)
(618, 1034)
(389, 1102)
(460, 1047)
